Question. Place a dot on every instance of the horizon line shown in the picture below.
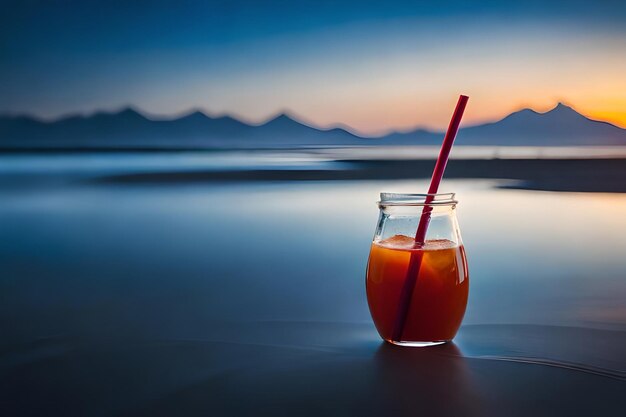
(283, 112)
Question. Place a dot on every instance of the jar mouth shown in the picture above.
(400, 199)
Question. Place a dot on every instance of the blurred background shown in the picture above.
(170, 170)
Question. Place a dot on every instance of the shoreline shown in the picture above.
(381, 152)
(572, 175)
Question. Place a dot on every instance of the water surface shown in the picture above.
(263, 283)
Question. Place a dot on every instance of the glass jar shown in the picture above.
(417, 279)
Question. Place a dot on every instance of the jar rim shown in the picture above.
(409, 199)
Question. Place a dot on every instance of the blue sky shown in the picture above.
(372, 65)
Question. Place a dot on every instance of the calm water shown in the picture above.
(83, 260)
(116, 258)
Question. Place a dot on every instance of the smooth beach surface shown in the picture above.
(214, 297)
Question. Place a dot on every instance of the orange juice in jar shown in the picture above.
(436, 268)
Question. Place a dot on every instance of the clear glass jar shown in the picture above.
(417, 287)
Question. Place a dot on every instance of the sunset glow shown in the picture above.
(387, 69)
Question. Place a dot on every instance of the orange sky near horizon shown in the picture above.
(406, 113)
(403, 82)
(614, 112)
(390, 74)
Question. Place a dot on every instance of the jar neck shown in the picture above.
(407, 204)
(398, 199)
(403, 214)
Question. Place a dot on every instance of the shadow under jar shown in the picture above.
(417, 292)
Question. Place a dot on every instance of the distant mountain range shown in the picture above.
(561, 126)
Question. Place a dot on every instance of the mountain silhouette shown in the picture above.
(128, 128)
(295, 133)
(560, 126)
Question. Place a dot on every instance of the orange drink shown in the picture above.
(439, 298)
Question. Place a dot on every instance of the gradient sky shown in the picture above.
(371, 65)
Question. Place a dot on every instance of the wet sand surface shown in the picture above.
(309, 368)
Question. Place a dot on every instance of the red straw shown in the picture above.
(420, 236)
